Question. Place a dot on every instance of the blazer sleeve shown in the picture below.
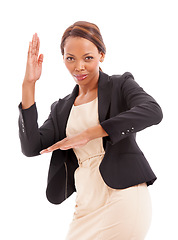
(142, 110)
(32, 138)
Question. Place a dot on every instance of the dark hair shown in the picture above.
(85, 30)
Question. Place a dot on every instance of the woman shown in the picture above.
(91, 133)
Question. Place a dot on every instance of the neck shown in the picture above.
(85, 90)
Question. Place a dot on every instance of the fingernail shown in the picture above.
(49, 149)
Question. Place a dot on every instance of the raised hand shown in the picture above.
(34, 62)
(33, 72)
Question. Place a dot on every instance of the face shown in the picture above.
(82, 59)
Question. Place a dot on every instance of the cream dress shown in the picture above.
(103, 213)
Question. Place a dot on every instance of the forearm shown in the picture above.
(34, 139)
(28, 94)
(78, 140)
(96, 132)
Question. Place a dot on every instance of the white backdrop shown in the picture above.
(141, 37)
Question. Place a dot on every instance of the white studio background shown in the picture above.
(140, 37)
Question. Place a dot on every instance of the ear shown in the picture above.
(102, 56)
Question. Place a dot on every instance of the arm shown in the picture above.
(33, 139)
(78, 140)
(142, 110)
(33, 73)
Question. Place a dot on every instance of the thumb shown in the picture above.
(40, 59)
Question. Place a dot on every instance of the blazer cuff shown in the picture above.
(106, 125)
(27, 117)
(116, 136)
(24, 110)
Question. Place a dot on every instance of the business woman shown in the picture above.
(91, 133)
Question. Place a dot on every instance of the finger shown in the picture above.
(72, 142)
(38, 46)
(30, 49)
(58, 145)
(69, 144)
(66, 147)
(44, 151)
(34, 44)
(53, 147)
(50, 149)
(40, 59)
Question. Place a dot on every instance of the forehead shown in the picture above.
(78, 45)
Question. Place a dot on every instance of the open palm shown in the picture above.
(34, 62)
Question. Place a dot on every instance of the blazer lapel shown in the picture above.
(63, 111)
(104, 95)
(65, 104)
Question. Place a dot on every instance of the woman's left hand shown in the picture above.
(76, 141)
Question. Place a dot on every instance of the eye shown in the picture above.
(70, 59)
(89, 58)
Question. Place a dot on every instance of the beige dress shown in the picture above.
(103, 213)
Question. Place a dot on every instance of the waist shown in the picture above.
(83, 159)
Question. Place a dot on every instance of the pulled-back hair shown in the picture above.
(84, 30)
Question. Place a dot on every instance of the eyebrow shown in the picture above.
(83, 55)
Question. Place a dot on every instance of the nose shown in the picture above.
(79, 66)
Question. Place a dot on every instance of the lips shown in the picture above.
(80, 77)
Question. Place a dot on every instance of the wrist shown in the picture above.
(28, 94)
(95, 132)
(28, 83)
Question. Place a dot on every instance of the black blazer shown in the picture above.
(124, 108)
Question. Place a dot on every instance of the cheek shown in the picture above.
(69, 66)
(93, 66)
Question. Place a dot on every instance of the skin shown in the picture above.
(81, 57)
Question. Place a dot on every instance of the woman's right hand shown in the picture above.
(34, 62)
(33, 72)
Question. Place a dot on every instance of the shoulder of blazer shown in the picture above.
(121, 78)
(105, 82)
(57, 103)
